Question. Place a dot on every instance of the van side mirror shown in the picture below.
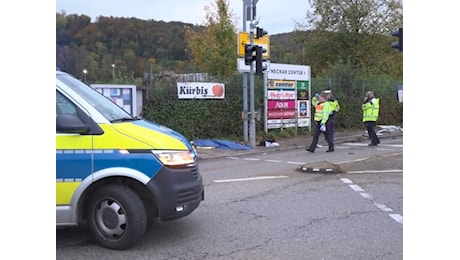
(66, 123)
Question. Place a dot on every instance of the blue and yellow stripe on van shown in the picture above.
(79, 164)
(123, 145)
(65, 188)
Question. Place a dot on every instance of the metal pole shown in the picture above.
(245, 81)
(309, 107)
(113, 73)
(265, 103)
(252, 122)
(84, 74)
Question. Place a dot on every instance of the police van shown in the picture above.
(116, 173)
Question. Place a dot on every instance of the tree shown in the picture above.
(358, 31)
(213, 49)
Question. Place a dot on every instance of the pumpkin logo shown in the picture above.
(218, 90)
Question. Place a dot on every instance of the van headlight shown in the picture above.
(174, 158)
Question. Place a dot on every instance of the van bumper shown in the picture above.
(178, 192)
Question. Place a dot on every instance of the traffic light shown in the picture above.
(260, 32)
(399, 44)
(249, 55)
(260, 66)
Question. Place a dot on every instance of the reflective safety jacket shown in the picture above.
(334, 106)
(322, 111)
(371, 110)
(314, 101)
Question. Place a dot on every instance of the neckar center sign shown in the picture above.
(288, 72)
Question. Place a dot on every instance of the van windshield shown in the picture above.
(104, 105)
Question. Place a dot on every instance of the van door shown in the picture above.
(74, 149)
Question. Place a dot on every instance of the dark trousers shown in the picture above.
(316, 135)
(370, 125)
(329, 134)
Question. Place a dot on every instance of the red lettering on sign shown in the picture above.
(281, 114)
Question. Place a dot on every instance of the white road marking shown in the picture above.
(356, 187)
(299, 163)
(356, 160)
(394, 145)
(380, 145)
(251, 159)
(398, 218)
(391, 154)
(380, 171)
(382, 207)
(366, 195)
(355, 144)
(277, 161)
(346, 180)
(365, 158)
(251, 179)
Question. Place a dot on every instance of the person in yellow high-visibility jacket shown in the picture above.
(331, 122)
(371, 107)
(322, 111)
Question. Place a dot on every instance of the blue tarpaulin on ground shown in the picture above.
(220, 144)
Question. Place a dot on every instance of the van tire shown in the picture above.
(116, 217)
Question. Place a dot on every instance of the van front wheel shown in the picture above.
(116, 217)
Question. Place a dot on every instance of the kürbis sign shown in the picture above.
(200, 90)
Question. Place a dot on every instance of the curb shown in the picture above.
(207, 154)
(317, 170)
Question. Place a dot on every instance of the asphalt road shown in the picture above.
(261, 206)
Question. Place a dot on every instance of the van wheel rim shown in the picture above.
(111, 218)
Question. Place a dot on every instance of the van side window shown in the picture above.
(64, 106)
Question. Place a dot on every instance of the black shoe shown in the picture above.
(330, 150)
(311, 151)
(372, 144)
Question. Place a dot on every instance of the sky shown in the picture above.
(274, 16)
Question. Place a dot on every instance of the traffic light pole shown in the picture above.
(249, 7)
(245, 79)
(252, 122)
(265, 103)
(399, 44)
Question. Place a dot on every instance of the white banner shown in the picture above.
(288, 72)
(281, 94)
(200, 90)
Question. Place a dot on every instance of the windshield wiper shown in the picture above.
(124, 119)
